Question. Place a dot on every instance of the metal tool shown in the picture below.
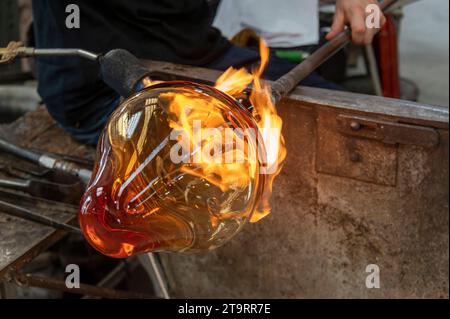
(53, 191)
(26, 200)
(85, 162)
(14, 210)
(290, 80)
(27, 170)
(31, 280)
(119, 69)
(123, 72)
(47, 160)
(25, 213)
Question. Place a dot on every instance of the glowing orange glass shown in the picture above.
(180, 167)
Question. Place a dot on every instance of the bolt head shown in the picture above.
(355, 125)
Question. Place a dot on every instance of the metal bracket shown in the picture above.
(387, 132)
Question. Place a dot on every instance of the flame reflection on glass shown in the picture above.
(180, 167)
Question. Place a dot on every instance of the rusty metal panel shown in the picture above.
(401, 110)
(324, 229)
(351, 156)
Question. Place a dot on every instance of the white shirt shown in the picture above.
(282, 23)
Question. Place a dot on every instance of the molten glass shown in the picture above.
(182, 167)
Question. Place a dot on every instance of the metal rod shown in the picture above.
(159, 275)
(47, 160)
(24, 213)
(290, 80)
(66, 52)
(24, 52)
(66, 193)
(15, 183)
(30, 280)
(19, 151)
(373, 69)
(116, 275)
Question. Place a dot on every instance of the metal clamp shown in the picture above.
(387, 132)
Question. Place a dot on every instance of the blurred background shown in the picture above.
(420, 33)
(423, 49)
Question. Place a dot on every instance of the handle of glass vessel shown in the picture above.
(122, 71)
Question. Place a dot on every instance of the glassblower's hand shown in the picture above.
(353, 13)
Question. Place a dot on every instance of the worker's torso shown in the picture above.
(176, 31)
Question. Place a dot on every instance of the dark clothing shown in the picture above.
(170, 30)
(176, 31)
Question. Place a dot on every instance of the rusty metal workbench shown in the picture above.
(20, 240)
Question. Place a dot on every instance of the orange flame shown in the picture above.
(269, 123)
(235, 175)
(191, 109)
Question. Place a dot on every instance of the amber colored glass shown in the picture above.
(139, 200)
